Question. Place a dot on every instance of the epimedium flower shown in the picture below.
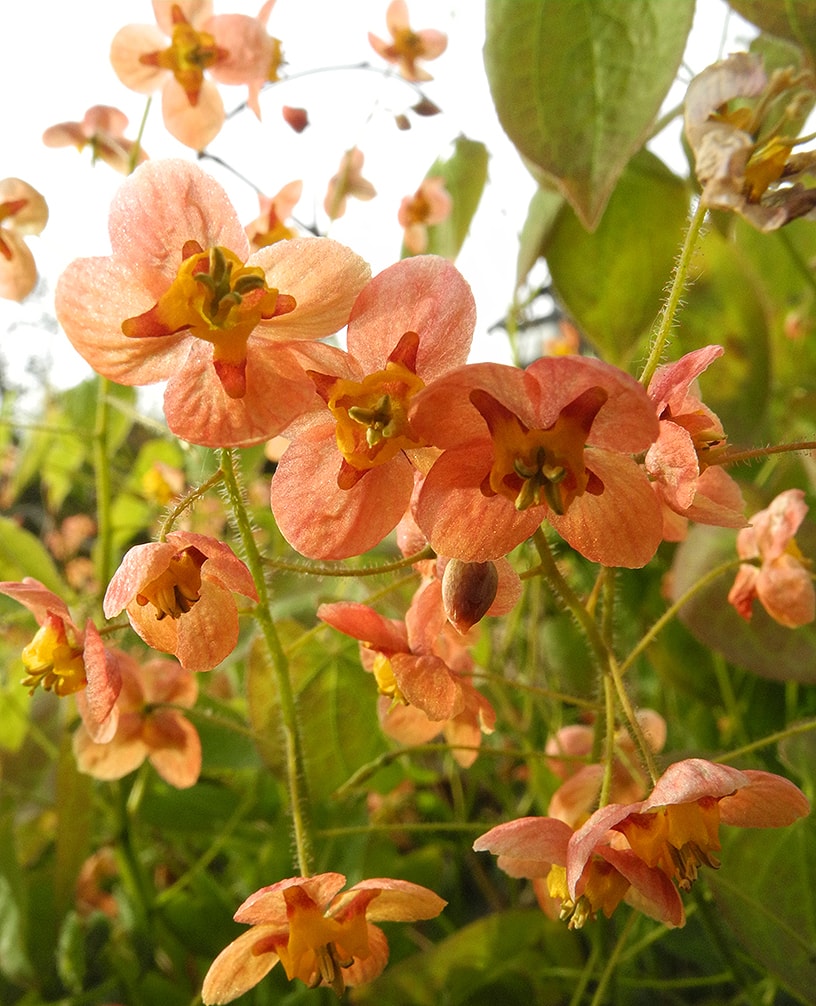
(178, 597)
(408, 46)
(22, 211)
(320, 935)
(172, 55)
(428, 206)
(542, 849)
(103, 130)
(186, 302)
(66, 660)
(676, 828)
(553, 442)
(347, 182)
(347, 476)
(683, 459)
(253, 56)
(743, 159)
(783, 582)
(270, 226)
(150, 726)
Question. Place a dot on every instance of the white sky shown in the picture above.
(55, 65)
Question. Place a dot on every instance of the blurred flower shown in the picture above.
(357, 455)
(742, 160)
(408, 46)
(186, 302)
(92, 894)
(271, 226)
(148, 727)
(347, 182)
(542, 849)
(178, 596)
(553, 442)
(575, 799)
(144, 61)
(22, 211)
(676, 829)
(296, 118)
(103, 130)
(783, 582)
(429, 205)
(253, 56)
(320, 936)
(682, 461)
(63, 659)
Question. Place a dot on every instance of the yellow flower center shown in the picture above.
(190, 53)
(536, 467)
(52, 661)
(178, 588)
(603, 892)
(678, 839)
(386, 682)
(217, 298)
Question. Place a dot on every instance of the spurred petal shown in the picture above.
(768, 801)
(237, 968)
(398, 900)
(387, 635)
(535, 840)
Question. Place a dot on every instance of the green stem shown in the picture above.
(313, 569)
(295, 776)
(133, 160)
(612, 961)
(187, 501)
(632, 722)
(104, 540)
(679, 283)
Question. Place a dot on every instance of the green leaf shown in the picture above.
(542, 214)
(577, 85)
(761, 645)
(767, 904)
(21, 554)
(794, 20)
(464, 173)
(73, 826)
(612, 281)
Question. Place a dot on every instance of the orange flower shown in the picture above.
(408, 45)
(783, 584)
(270, 227)
(67, 661)
(187, 303)
(103, 130)
(429, 205)
(22, 211)
(178, 596)
(320, 936)
(149, 727)
(347, 182)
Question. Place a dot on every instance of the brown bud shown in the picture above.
(426, 107)
(402, 121)
(468, 590)
(297, 118)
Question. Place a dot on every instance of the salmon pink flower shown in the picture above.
(346, 479)
(321, 936)
(178, 596)
(408, 45)
(22, 211)
(347, 182)
(150, 726)
(542, 850)
(186, 302)
(271, 225)
(682, 461)
(783, 583)
(146, 60)
(253, 56)
(422, 662)
(553, 442)
(103, 130)
(676, 829)
(428, 206)
(67, 661)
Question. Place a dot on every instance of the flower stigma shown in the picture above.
(189, 54)
(178, 588)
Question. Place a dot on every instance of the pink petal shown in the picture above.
(692, 779)
(426, 683)
(208, 633)
(179, 762)
(583, 843)
(398, 901)
(785, 589)
(140, 565)
(39, 600)
(406, 724)
(18, 275)
(267, 905)
(768, 801)
(366, 969)
(131, 42)
(670, 384)
(116, 757)
(237, 969)
(104, 685)
(196, 12)
(537, 842)
(192, 125)
(386, 635)
(672, 461)
(718, 500)
(652, 892)
(426, 295)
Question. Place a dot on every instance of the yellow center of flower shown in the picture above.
(678, 839)
(178, 588)
(386, 682)
(52, 662)
(319, 946)
(536, 467)
(603, 892)
(190, 53)
(217, 298)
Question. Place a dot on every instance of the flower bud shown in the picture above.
(468, 590)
